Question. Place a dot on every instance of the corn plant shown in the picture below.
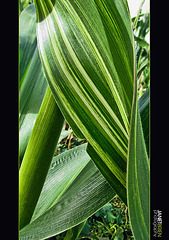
(78, 62)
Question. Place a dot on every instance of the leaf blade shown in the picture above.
(138, 179)
(74, 47)
(63, 171)
(32, 82)
(85, 196)
(38, 155)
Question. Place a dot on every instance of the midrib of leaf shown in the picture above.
(68, 184)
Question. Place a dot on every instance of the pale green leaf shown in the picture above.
(31, 78)
(73, 191)
(27, 40)
(63, 170)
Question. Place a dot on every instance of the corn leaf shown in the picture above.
(138, 179)
(144, 109)
(33, 87)
(86, 48)
(27, 40)
(31, 90)
(74, 190)
(32, 82)
(38, 156)
(63, 171)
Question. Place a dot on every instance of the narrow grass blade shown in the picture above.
(138, 179)
(144, 109)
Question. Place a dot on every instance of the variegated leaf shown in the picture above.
(87, 52)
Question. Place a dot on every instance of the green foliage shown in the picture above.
(38, 155)
(141, 27)
(74, 189)
(99, 111)
(32, 82)
(23, 4)
(110, 222)
(88, 57)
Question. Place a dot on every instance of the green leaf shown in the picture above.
(71, 162)
(138, 179)
(87, 53)
(144, 109)
(32, 80)
(27, 40)
(141, 42)
(73, 191)
(86, 48)
(33, 87)
(38, 156)
(63, 170)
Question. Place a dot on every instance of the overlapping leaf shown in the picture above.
(74, 190)
(64, 170)
(144, 109)
(32, 82)
(138, 179)
(86, 49)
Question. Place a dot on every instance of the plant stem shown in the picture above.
(38, 156)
